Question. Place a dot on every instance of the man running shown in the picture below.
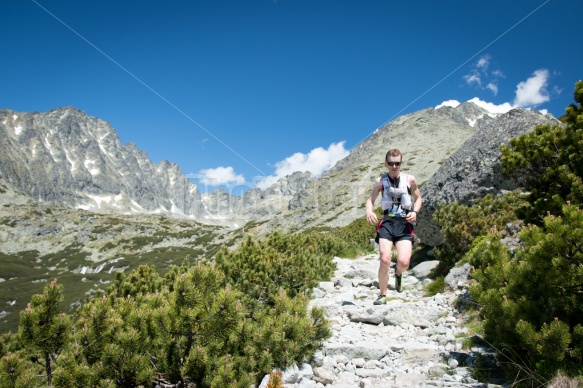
(400, 201)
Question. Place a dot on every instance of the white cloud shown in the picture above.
(219, 176)
(483, 62)
(473, 78)
(493, 87)
(533, 91)
(480, 75)
(316, 161)
(490, 107)
(450, 103)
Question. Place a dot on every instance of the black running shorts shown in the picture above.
(395, 229)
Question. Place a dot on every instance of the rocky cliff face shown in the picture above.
(474, 169)
(256, 203)
(67, 157)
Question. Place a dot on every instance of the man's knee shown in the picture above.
(385, 260)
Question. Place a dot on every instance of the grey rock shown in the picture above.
(414, 346)
(458, 275)
(323, 376)
(67, 157)
(423, 270)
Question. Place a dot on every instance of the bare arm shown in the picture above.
(371, 217)
(416, 194)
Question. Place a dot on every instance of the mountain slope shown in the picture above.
(68, 157)
(426, 138)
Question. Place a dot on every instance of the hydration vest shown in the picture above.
(396, 201)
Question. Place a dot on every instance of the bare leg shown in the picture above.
(404, 250)
(385, 248)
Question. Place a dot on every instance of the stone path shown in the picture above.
(412, 341)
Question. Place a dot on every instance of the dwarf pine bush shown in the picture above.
(531, 300)
(461, 224)
(221, 325)
(292, 262)
(549, 162)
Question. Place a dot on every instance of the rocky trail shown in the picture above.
(414, 340)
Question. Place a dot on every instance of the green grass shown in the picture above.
(27, 277)
(71, 257)
(435, 287)
(204, 239)
(351, 253)
(162, 258)
(19, 265)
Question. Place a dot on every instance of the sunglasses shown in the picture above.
(394, 164)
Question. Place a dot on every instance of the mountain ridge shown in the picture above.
(68, 157)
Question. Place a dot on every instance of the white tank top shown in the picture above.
(396, 201)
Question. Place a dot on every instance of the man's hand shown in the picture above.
(411, 217)
(371, 218)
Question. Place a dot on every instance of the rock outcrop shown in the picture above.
(474, 169)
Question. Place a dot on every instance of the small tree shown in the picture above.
(42, 329)
(549, 162)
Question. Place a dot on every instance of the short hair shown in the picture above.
(393, 152)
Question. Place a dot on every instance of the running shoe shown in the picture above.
(398, 285)
(382, 299)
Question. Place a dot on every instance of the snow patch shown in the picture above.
(14, 117)
(101, 199)
(90, 166)
(18, 130)
(473, 122)
(71, 161)
(174, 209)
(47, 144)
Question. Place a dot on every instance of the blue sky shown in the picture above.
(238, 93)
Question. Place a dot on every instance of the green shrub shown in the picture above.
(461, 224)
(357, 236)
(190, 325)
(435, 287)
(293, 262)
(549, 162)
(43, 330)
(531, 301)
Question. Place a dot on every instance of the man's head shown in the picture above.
(394, 153)
(393, 160)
